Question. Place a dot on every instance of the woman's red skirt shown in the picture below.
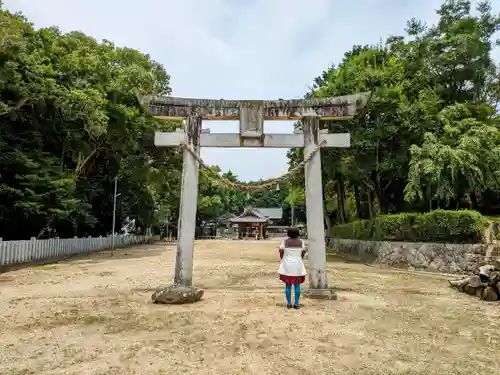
(292, 279)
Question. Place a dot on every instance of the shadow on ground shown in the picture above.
(334, 256)
(135, 252)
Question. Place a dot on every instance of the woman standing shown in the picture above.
(292, 270)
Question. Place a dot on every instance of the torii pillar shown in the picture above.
(251, 115)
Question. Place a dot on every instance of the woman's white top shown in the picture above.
(292, 263)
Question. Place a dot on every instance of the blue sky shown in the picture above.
(236, 49)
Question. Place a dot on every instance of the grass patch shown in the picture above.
(45, 267)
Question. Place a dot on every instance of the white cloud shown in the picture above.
(235, 49)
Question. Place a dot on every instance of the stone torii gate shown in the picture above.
(251, 115)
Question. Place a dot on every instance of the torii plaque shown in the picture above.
(251, 115)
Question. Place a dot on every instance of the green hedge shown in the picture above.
(463, 226)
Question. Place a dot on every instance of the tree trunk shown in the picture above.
(357, 199)
(429, 197)
(370, 203)
(340, 201)
(328, 222)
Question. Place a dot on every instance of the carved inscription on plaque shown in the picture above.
(252, 119)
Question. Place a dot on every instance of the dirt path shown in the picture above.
(93, 316)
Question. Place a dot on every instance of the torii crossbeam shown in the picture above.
(251, 115)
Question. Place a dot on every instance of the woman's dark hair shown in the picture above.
(292, 232)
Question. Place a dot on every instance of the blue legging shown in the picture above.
(288, 293)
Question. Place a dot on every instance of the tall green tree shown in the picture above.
(429, 135)
(70, 123)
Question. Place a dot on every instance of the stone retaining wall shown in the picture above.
(438, 257)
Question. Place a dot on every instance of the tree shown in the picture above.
(429, 135)
(296, 196)
(70, 123)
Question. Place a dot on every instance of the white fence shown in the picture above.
(16, 252)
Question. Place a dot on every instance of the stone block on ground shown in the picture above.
(176, 295)
(485, 286)
(459, 284)
(489, 294)
(498, 286)
(470, 290)
(326, 294)
(475, 281)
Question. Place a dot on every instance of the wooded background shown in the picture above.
(70, 123)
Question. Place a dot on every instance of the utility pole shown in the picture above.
(114, 218)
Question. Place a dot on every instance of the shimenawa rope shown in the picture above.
(265, 186)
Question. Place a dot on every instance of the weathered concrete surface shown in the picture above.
(270, 140)
(177, 295)
(318, 277)
(209, 109)
(188, 205)
(439, 257)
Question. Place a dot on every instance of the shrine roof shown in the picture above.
(248, 219)
(271, 212)
(250, 215)
(226, 216)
